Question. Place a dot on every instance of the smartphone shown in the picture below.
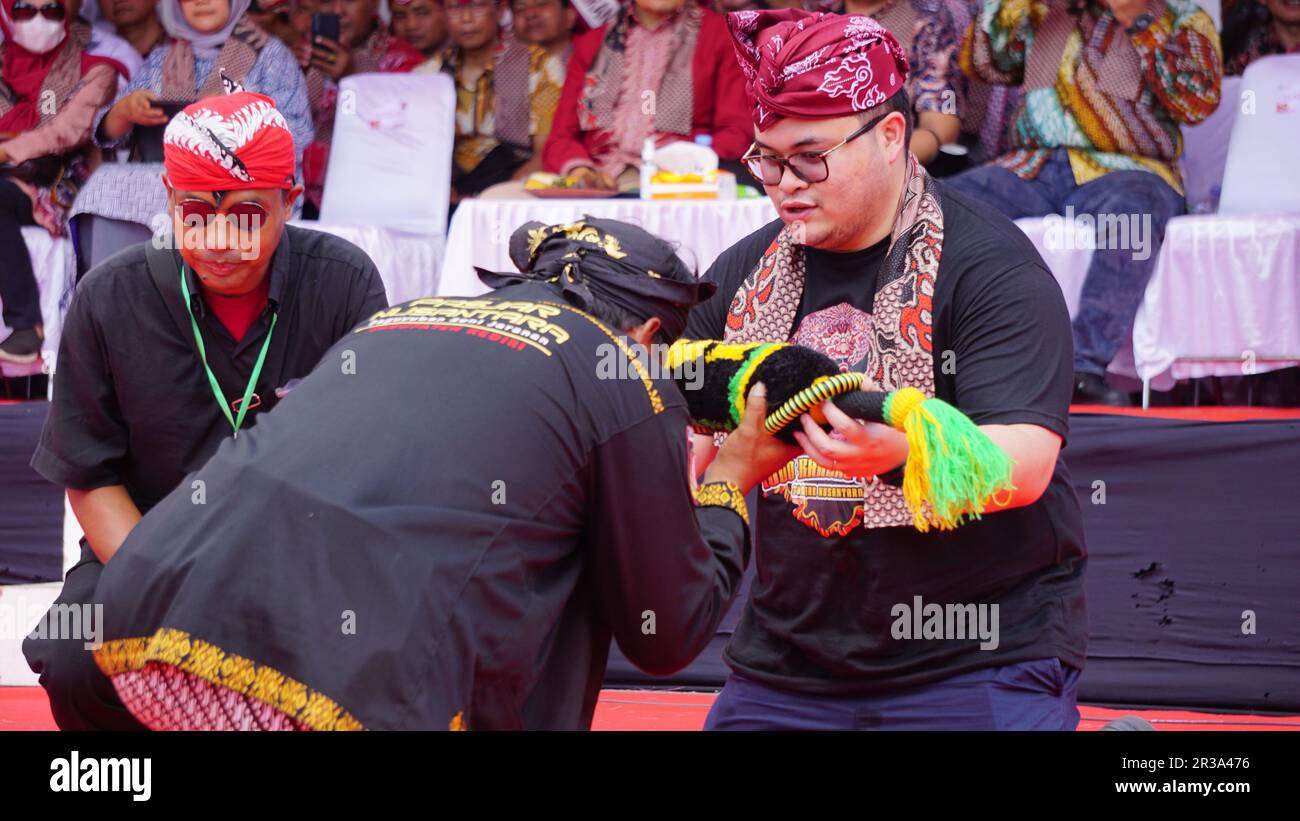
(147, 141)
(171, 109)
(324, 24)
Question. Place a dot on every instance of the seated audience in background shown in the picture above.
(660, 68)
(505, 97)
(300, 12)
(985, 109)
(926, 31)
(209, 37)
(423, 24)
(546, 23)
(724, 6)
(101, 41)
(365, 46)
(273, 15)
(135, 21)
(44, 149)
(1097, 132)
(1258, 28)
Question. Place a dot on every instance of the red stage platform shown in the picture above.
(25, 708)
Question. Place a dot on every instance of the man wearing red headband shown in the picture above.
(889, 272)
(171, 347)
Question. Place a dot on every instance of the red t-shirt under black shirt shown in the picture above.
(238, 313)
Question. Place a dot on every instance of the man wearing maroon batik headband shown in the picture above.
(889, 272)
(170, 347)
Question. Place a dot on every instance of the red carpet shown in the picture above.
(25, 708)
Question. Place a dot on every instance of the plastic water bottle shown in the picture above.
(647, 166)
(705, 140)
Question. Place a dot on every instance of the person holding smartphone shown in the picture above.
(346, 38)
(208, 40)
(209, 37)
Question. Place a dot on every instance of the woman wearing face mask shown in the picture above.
(206, 39)
(50, 92)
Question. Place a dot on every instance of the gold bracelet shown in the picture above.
(723, 494)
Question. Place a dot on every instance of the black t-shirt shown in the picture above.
(490, 489)
(829, 594)
(132, 404)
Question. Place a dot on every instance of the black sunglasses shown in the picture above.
(22, 12)
(809, 166)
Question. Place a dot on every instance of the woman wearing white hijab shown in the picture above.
(208, 38)
(125, 203)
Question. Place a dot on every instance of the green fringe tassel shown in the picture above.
(953, 467)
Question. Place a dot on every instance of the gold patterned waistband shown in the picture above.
(209, 662)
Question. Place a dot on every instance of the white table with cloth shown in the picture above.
(480, 234)
(480, 230)
(408, 263)
(1224, 299)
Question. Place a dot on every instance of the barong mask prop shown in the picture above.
(952, 466)
(614, 262)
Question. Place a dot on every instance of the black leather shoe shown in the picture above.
(1091, 389)
(21, 346)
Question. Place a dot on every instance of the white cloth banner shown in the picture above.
(1224, 299)
(480, 230)
(408, 263)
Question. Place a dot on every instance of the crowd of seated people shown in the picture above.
(537, 89)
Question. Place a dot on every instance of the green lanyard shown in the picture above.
(235, 423)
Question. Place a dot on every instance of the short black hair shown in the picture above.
(900, 103)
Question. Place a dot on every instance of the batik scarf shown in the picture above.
(675, 97)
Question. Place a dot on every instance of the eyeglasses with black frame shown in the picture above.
(809, 166)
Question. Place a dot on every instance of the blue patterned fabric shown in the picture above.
(275, 74)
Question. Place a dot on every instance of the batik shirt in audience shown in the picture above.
(381, 52)
(1115, 101)
(686, 67)
(512, 101)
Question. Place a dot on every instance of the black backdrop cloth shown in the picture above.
(1200, 523)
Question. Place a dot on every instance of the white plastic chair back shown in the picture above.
(390, 158)
(1262, 175)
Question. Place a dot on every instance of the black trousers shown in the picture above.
(22, 302)
(81, 697)
(499, 165)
